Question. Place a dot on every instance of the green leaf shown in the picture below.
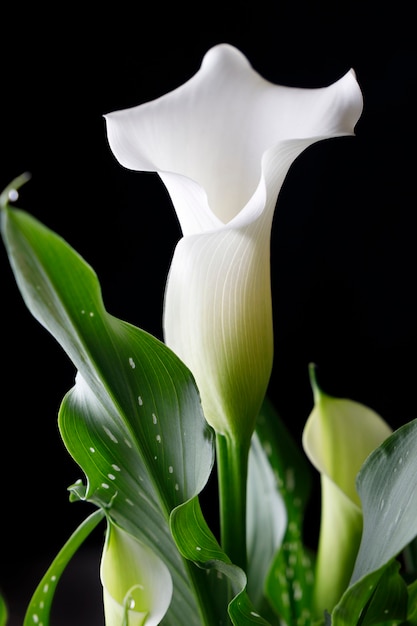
(288, 585)
(389, 600)
(379, 598)
(388, 491)
(133, 421)
(39, 609)
(410, 560)
(387, 487)
(225, 582)
(412, 604)
(266, 519)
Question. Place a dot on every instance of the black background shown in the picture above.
(343, 243)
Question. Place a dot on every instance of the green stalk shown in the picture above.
(232, 472)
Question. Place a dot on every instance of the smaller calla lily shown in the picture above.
(223, 143)
(337, 438)
(137, 585)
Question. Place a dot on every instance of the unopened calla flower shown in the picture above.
(338, 436)
(137, 585)
(222, 143)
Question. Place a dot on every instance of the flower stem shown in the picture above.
(232, 471)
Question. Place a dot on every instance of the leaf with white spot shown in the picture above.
(266, 519)
(288, 585)
(133, 420)
(124, 451)
(197, 543)
(387, 488)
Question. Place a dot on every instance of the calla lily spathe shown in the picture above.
(222, 143)
(337, 438)
(137, 585)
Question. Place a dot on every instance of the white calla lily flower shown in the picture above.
(223, 143)
(337, 438)
(137, 585)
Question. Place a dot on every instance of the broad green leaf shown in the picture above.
(389, 600)
(380, 598)
(133, 420)
(388, 490)
(288, 585)
(387, 486)
(39, 609)
(120, 482)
